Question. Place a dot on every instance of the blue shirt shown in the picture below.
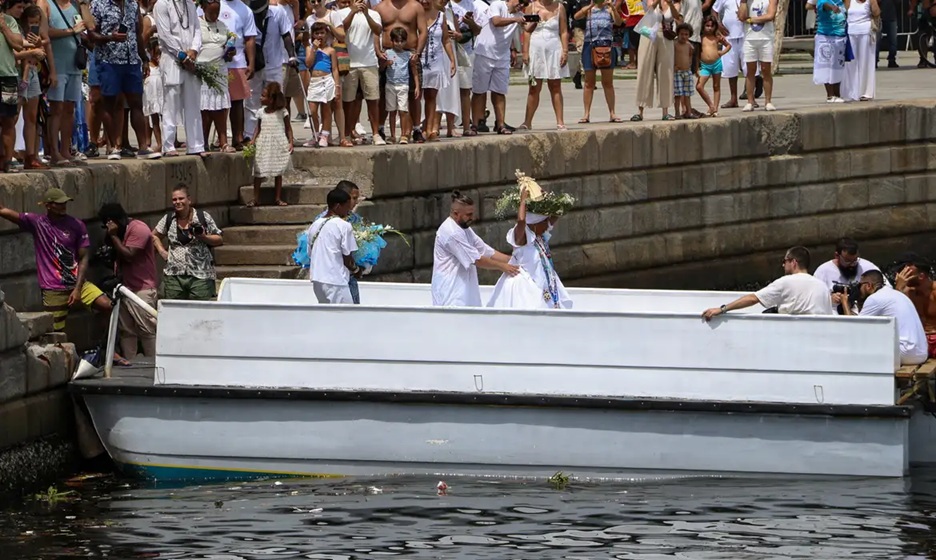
(830, 23)
(63, 48)
(599, 25)
(398, 67)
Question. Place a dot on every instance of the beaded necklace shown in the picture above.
(551, 293)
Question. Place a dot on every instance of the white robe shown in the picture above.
(181, 89)
(511, 291)
(454, 274)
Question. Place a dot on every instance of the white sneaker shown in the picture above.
(359, 129)
(770, 107)
(115, 155)
(748, 108)
(830, 100)
(307, 124)
(323, 140)
(378, 141)
(838, 100)
(310, 143)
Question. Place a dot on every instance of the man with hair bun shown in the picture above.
(457, 255)
(795, 293)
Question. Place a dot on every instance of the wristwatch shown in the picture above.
(723, 309)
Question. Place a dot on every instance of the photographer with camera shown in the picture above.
(190, 234)
(846, 265)
(876, 299)
(128, 248)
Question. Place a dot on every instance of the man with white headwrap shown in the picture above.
(537, 286)
(457, 255)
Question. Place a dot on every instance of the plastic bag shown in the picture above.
(368, 253)
(649, 25)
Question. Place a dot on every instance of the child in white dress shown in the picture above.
(274, 142)
(153, 91)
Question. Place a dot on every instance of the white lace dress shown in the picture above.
(273, 155)
(214, 37)
(546, 52)
(435, 62)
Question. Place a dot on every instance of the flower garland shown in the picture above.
(540, 202)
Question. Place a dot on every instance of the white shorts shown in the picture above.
(321, 89)
(733, 62)
(490, 75)
(397, 97)
(332, 293)
(758, 50)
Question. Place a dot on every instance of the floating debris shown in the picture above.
(559, 480)
(442, 488)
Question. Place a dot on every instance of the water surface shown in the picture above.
(694, 518)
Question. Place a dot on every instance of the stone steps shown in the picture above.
(240, 255)
(292, 194)
(258, 271)
(275, 215)
(261, 235)
(36, 323)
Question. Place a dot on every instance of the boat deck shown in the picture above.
(139, 380)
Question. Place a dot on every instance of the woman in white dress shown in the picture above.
(215, 103)
(859, 72)
(545, 53)
(538, 285)
(438, 62)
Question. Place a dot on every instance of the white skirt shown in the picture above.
(829, 60)
(214, 100)
(321, 89)
(860, 72)
(545, 55)
(153, 93)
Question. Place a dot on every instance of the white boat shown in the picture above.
(266, 382)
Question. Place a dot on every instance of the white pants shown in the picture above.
(181, 103)
(332, 293)
(859, 73)
(252, 104)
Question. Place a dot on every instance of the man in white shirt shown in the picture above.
(239, 20)
(492, 48)
(457, 254)
(361, 26)
(796, 293)
(880, 300)
(331, 242)
(733, 61)
(846, 266)
(278, 49)
(180, 41)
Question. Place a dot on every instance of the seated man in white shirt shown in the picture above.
(879, 300)
(846, 266)
(331, 242)
(796, 293)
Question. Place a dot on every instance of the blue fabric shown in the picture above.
(93, 79)
(63, 48)
(68, 88)
(120, 78)
(300, 57)
(323, 62)
(587, 64)
(398, 70)
(80, 138)
(355, 291)
(828, 22)
(599, 25)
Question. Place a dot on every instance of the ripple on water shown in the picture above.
(694, 518)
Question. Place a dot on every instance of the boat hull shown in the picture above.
(187, 438)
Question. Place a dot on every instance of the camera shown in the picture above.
(198, 229)
(854, 291)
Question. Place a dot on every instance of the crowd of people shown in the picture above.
(76, 75)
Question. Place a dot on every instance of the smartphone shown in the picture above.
(77, 19)
(531, 18)
(122, 29)
(34, 29)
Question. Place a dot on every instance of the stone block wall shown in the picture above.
(701, 204)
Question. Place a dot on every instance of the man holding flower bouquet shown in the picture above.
(180, 40)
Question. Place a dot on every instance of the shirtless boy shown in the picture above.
(408, 15)
(682, 77)
(915, 280)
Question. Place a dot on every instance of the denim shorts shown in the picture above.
(93, 79)
(587, 59)
(120, 78)
(68, 88)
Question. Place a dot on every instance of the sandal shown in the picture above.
(669, 117)
(120, 360)
(636, 118)
(281, 202)
(584, 120)
(561, 127)
(346, 143)
(171, 153)
(62, 163)
(503, 131)
(227, 149)
(471, 131)
(251, 204)
(616, 119)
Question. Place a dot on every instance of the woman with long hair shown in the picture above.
(545, 54)
(598, 53)
(438, 61)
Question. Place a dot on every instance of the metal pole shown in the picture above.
(111, 339)
(125, 292)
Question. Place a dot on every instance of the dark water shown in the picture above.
(701, 518)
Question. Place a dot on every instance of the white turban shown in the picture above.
(533, 219)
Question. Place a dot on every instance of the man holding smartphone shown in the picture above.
(493, 53)
(120, 59)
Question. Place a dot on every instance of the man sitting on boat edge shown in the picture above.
(880, 300)
(457, 254)
(795, 293)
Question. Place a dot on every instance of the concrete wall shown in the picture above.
(708, 203)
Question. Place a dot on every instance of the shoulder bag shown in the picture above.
(600, 50)
(81, 54)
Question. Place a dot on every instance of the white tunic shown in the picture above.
(454, 274)
(533, 257)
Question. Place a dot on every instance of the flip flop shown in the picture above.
(121, 361)
(669, 118)
(281, 203)
(636, 118)
(616, 120)
(584, 120)
(504, 131)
